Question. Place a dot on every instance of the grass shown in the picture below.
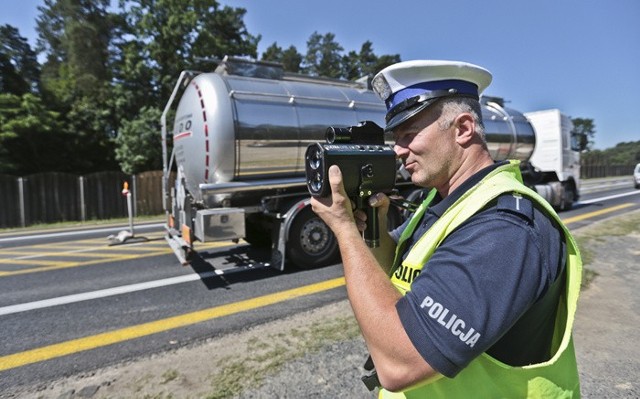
(588, 237)
(169, 375)
(265, 356)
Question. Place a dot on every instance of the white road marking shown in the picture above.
(124, 289)
(594, 200)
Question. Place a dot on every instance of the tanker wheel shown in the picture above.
(311, 243)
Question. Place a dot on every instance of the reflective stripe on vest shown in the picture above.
(486, 376)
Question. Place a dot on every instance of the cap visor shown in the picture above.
(405, 115)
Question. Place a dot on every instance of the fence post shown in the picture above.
(134, 186)
(83, 206)
(23, 221)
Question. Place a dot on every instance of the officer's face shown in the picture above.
(427, 151)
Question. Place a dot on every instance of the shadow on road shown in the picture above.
(220, 269)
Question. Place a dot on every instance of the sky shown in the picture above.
(579, 56)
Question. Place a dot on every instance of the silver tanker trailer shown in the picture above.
(239, 138)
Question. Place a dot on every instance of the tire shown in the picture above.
(568, 197)
(311, 243)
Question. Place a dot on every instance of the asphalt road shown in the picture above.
(69, 303)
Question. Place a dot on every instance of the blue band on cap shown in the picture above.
(462, 87)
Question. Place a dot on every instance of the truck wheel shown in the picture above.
(568, 197)
(311, 243)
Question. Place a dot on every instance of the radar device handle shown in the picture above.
(371, 234)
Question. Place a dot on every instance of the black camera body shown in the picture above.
(368, 166)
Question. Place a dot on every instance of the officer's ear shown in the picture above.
(465, 126)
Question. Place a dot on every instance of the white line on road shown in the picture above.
(124, 289)
(594, 200)
(75, 233)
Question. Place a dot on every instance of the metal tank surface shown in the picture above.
(508, 133)
(237, 129)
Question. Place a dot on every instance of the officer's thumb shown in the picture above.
(335, 179)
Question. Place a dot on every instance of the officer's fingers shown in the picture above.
(335, 181)
(360, 215)
(361, 219)
(379, 200)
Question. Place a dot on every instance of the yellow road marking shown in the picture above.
(124, 334)
(65, 244)
(48, 265)
(596, 213)
(65, 265)
(24, 255)
(30, 262)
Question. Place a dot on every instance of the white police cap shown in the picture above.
(411, 86)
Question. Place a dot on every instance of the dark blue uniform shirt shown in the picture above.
(489, 286)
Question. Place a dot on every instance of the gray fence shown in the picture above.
(605, 169)
(55, 197)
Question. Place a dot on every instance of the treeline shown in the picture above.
(625, 153)
(89, 96)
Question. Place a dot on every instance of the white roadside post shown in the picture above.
(125, 235)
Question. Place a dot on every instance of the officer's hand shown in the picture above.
(380, 201)
(336, 209)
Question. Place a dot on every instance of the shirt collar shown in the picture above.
(443, 204)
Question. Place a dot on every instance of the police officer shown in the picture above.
(475, 295)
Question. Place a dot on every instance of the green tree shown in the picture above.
(292, 60)
(351, 68)
(273, 53)
(384, 61)
(359, 64)
(29, 136)
(624, 153)
(75, 37)
(586, 127)
(173, 35)
(160, 39)
(19, 68)
(138, 144)
(289, 58)
(323, 56)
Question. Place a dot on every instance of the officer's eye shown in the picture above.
(401, 138)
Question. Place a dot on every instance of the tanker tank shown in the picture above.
(232, 128)
(508, 133)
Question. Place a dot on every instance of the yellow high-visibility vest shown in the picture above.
(485, 376)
